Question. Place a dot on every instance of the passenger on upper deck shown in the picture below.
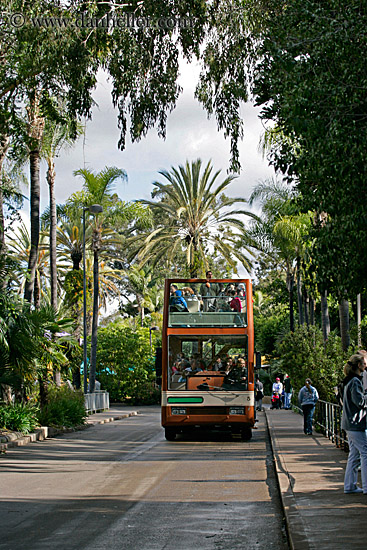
(177, 302)
(208, 292)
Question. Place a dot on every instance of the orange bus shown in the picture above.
(208, 356)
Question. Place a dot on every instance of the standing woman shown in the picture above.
(354, 423)
(307, 399)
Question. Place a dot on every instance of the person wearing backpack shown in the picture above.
(354, 423)
(307, 399)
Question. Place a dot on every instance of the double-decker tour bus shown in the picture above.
(208, 356)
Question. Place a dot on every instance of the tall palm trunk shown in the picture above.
(344, 323)
(53, 224)
(325, 319)
(312, 311)
(4, 142)
(359, 319)
(35, 223)
(36, 126)
(93, 350)
(290, 287)
(306, 301)
(299, 292)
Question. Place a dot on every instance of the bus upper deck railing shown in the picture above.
(208, 311)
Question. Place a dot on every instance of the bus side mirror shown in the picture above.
(258, 360)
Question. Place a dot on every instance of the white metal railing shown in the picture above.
(97, 401)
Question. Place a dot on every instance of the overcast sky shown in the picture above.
(189, 135)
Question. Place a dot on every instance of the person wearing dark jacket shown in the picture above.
(307, 399)
(354, 423)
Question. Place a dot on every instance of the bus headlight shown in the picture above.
(237, 410)
(176, 410)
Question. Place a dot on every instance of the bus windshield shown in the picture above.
(207, 362)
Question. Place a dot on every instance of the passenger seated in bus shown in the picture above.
(176, 302)
(217, 364)
(223, 299)
(236, 306)
(237, 374)
(228, 365)
(196, 365)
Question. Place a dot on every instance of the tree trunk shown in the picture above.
(325, 319)
(359, 319)
(35, 224)
(299, 293)
(36, 126)
(53, 224)
(6, 393)
(43, 388)
(4, 142)
(37, 293)
(306, 302)
(290, 287)
(344, 323)
(142, 315)
(312, 311)
(93, 350)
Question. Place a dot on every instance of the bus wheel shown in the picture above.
(246, 434)
(169, 434)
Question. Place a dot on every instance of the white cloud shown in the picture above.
(189, 135)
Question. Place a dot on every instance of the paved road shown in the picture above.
(122, 486)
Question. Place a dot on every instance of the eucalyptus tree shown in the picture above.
(193, 214)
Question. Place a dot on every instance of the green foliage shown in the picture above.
(311, 81)
(19, 417)
(65, 408)
(268, 331)
(125, 363)
(303, 355)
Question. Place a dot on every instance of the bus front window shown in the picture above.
(207, 362)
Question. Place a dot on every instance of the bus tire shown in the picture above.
(246, 434)
(170, 434)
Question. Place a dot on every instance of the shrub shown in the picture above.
(125, 364)
(303, 355)
(65, 408)
(19, 417)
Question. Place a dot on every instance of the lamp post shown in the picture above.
(93, 209)
(150, 334)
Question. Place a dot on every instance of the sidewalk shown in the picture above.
(15, 439)
(311, 473)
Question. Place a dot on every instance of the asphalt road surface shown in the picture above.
(122, 486)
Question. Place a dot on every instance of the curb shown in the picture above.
(17, 439)
(295, 526)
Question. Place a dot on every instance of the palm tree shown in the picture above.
(36, 125)
(56, 136)
(19, 245)
(4, 143)
(282, 234)
(193, 214)
(142, 285)
(97, 189)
